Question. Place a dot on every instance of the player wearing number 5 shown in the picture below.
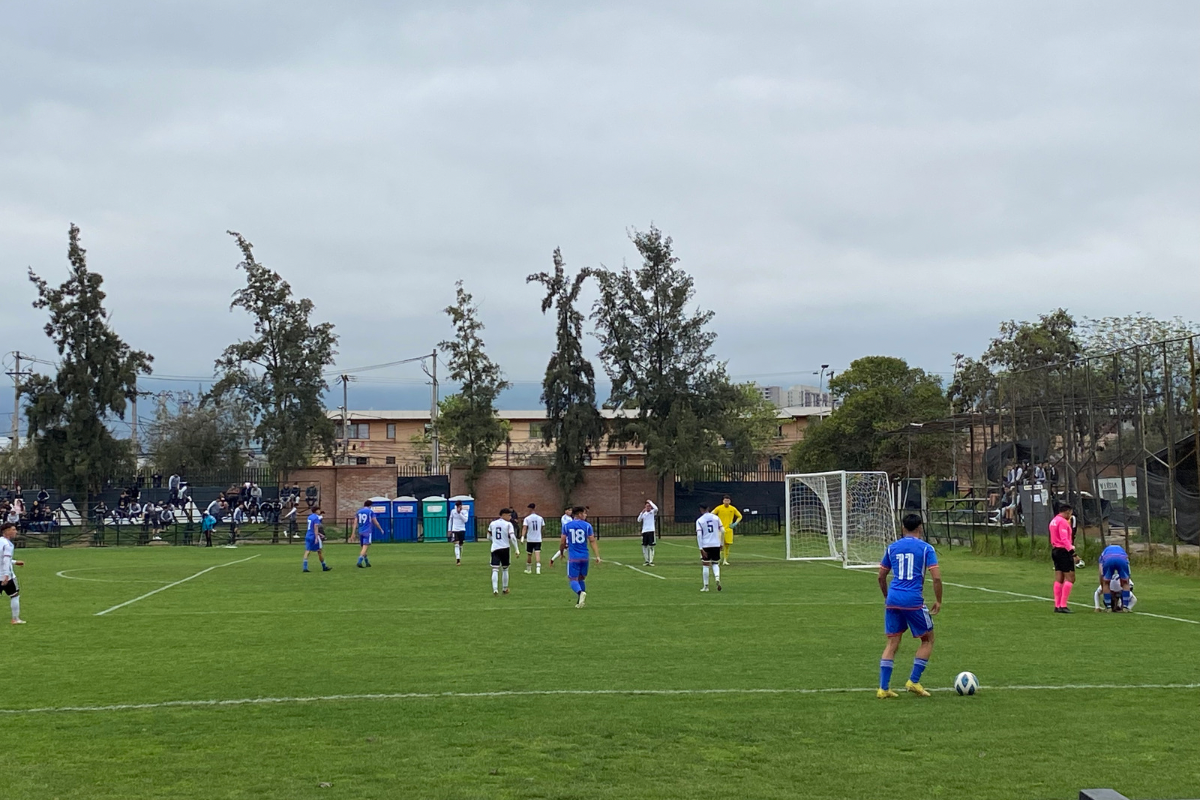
(730, 517)
(576, 536)
(708, 538)
(908, 559)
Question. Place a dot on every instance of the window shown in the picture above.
(778, 431)
(391, 430)
(389, 460)
(357, 430)
(535, 430)
(623, 461)
(361, 461)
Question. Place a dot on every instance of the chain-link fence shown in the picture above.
(1114, 434)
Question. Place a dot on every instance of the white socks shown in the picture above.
(506, 579)
(496, 580)
(717, 572)
(706, 576)
(458, 552)
(539, 568)
(651, 558)
(15, 602)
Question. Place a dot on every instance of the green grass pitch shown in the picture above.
(482, 719)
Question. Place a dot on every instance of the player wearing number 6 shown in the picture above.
(908, 560)
(502, 535)
(576, 536)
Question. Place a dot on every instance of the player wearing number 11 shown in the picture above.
(908, 559)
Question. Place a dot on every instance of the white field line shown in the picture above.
(635, 569)
(169, 585)
(985, 589)
(331, 698)
(62, 573)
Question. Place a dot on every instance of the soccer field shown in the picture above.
(409, 679)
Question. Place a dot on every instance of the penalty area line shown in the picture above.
(382, 696)
(635, 569)
(169, 585)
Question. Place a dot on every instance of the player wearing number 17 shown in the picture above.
(576, 536)
(908, 559)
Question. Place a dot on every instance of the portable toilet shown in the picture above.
(381, 507)
(468, 506)
(404, 519)
(433, 519)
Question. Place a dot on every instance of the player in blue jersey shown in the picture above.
(576, 536)
(908, 559)
(366, 521)
(1114, 565)
(314, 540)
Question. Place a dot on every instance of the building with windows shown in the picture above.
(379, 438)
(810, 398)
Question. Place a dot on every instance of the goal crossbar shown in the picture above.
(839, 516)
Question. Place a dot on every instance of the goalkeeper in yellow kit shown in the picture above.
(730, 517)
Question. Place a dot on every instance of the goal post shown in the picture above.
(839, 516)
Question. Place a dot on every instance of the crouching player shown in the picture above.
(908, 559)
(1114, 569)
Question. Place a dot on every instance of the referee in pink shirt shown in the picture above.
(1062, 551)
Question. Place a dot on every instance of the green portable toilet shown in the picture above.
(434, 512)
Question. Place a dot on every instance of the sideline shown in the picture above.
(331, 698)
(169, 585)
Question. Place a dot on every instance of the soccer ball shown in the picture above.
(966, 683)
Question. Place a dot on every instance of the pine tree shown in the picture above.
(277, 374)
(467, 421)
(678, 402)
(573, 426)
(70, 414)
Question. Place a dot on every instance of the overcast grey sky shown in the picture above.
(841, 178)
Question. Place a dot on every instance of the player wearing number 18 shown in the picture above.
(908, 559)
(576, 536)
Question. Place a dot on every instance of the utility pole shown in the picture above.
(137, 451)
(433, 412)
(16, 417)
(345, 381)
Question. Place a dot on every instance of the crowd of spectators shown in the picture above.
(38, 517)
(1004, 503)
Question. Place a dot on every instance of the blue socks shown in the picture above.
(1125, 598)
(885, 672)
(306, 565)
(582, 586)
(360, 560)
(918, 668)
(576, 587)
(1108, 601)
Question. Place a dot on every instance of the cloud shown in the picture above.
(841, 178)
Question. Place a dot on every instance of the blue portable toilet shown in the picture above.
(405, 511)
(468, 504)
(381, 507)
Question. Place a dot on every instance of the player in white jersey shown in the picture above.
(709, 534)
(502, 535)
(531, 535)
(649, 537)
(456, 526)
(562, 523)
(8, 578)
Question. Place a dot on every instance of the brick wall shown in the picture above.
(343, 488)
(607, 491)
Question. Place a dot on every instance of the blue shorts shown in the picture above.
(1115, 568)
(364, 538)
(312, 542)
(898, 620)
(577, 570)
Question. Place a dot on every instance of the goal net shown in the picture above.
(839, 516)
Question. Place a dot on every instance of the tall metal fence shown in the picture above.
(1114, 433)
